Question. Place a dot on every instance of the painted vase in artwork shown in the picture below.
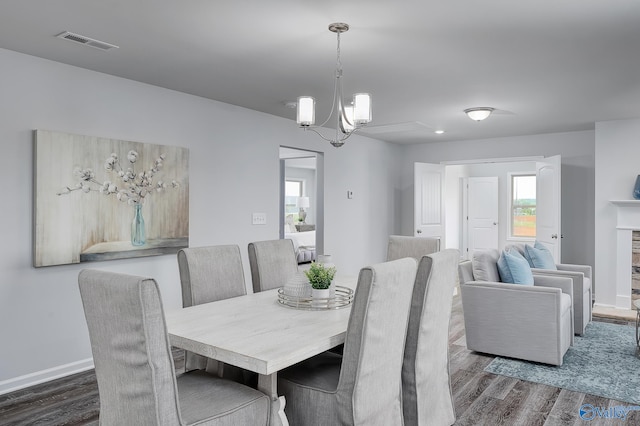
(138, 235)
(636, 189)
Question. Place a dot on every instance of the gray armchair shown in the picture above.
(582, 292)
(402, 246)
(363, 387)
(533, 323)
(136, 377)
(426, 390)
(272, 262)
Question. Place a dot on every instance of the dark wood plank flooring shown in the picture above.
(480, 398)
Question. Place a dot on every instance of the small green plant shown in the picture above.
(320, 276)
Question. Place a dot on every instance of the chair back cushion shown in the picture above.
(208, 274)
(402, 246)
(131, 352)
(370, 377)
(426, 390)
(272, 262)
(485, 265)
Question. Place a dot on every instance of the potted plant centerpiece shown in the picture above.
(320, 277)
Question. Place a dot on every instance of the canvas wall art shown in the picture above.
(100, 199)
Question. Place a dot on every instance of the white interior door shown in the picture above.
(482, 217)
(428, 214)
(548, 212)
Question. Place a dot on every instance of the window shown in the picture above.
(292, 190)
(523, 206)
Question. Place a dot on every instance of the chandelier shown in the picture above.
(349, 118)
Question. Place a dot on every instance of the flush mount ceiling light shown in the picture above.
(349, 118)
(479, 113)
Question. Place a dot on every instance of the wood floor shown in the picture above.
(480, 398)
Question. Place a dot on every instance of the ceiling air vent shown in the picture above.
(87, 41)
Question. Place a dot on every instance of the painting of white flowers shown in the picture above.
(101, 199)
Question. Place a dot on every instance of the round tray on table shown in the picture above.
(343, 297)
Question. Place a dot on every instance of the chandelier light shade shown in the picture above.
(349, 118)
(479, 113)
(306, 115)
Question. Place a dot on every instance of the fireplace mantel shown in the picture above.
(628, 220)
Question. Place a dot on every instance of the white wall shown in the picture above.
(578, 175)
(233, 157)
(617, 151)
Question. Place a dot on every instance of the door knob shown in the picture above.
(495, 223)
(554, 236)
(419, 231)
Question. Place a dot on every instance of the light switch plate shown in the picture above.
(349, 194)
(259, 219)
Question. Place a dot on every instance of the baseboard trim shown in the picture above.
(43, 376)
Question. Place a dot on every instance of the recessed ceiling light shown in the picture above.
(439, 132)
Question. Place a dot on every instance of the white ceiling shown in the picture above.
(546, 65)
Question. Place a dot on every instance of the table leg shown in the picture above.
(268, 384)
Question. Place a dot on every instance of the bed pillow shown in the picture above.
(289, 225)
(485, 265)
(514, 269)
(539, 256)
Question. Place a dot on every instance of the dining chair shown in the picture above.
(272, 262)
(403, 246)
(208, 274)
(426, 388)
(137, 383)
(362, 387)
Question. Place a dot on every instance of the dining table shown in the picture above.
(258, 333)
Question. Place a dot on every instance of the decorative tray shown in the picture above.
(343, 297)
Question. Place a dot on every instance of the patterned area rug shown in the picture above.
(603, 363)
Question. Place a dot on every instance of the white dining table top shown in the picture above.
(257, 333)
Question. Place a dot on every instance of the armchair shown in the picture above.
(582, 293)
(533, 323)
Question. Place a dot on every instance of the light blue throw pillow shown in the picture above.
(539, 256)
(514, 269)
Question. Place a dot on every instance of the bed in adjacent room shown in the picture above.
(304, 243)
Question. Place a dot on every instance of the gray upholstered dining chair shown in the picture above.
(402, 246)
(362, 387)
(272, 262)
(208, 274)
(426, 388)
(136, 377)
(582, 291)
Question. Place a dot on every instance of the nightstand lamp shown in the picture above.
(303, 203)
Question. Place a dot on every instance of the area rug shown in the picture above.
(603, 363)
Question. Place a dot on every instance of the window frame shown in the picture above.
(288, 206)
(511, 206)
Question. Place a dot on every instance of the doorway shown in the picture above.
(453, 198)
(302, 201)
